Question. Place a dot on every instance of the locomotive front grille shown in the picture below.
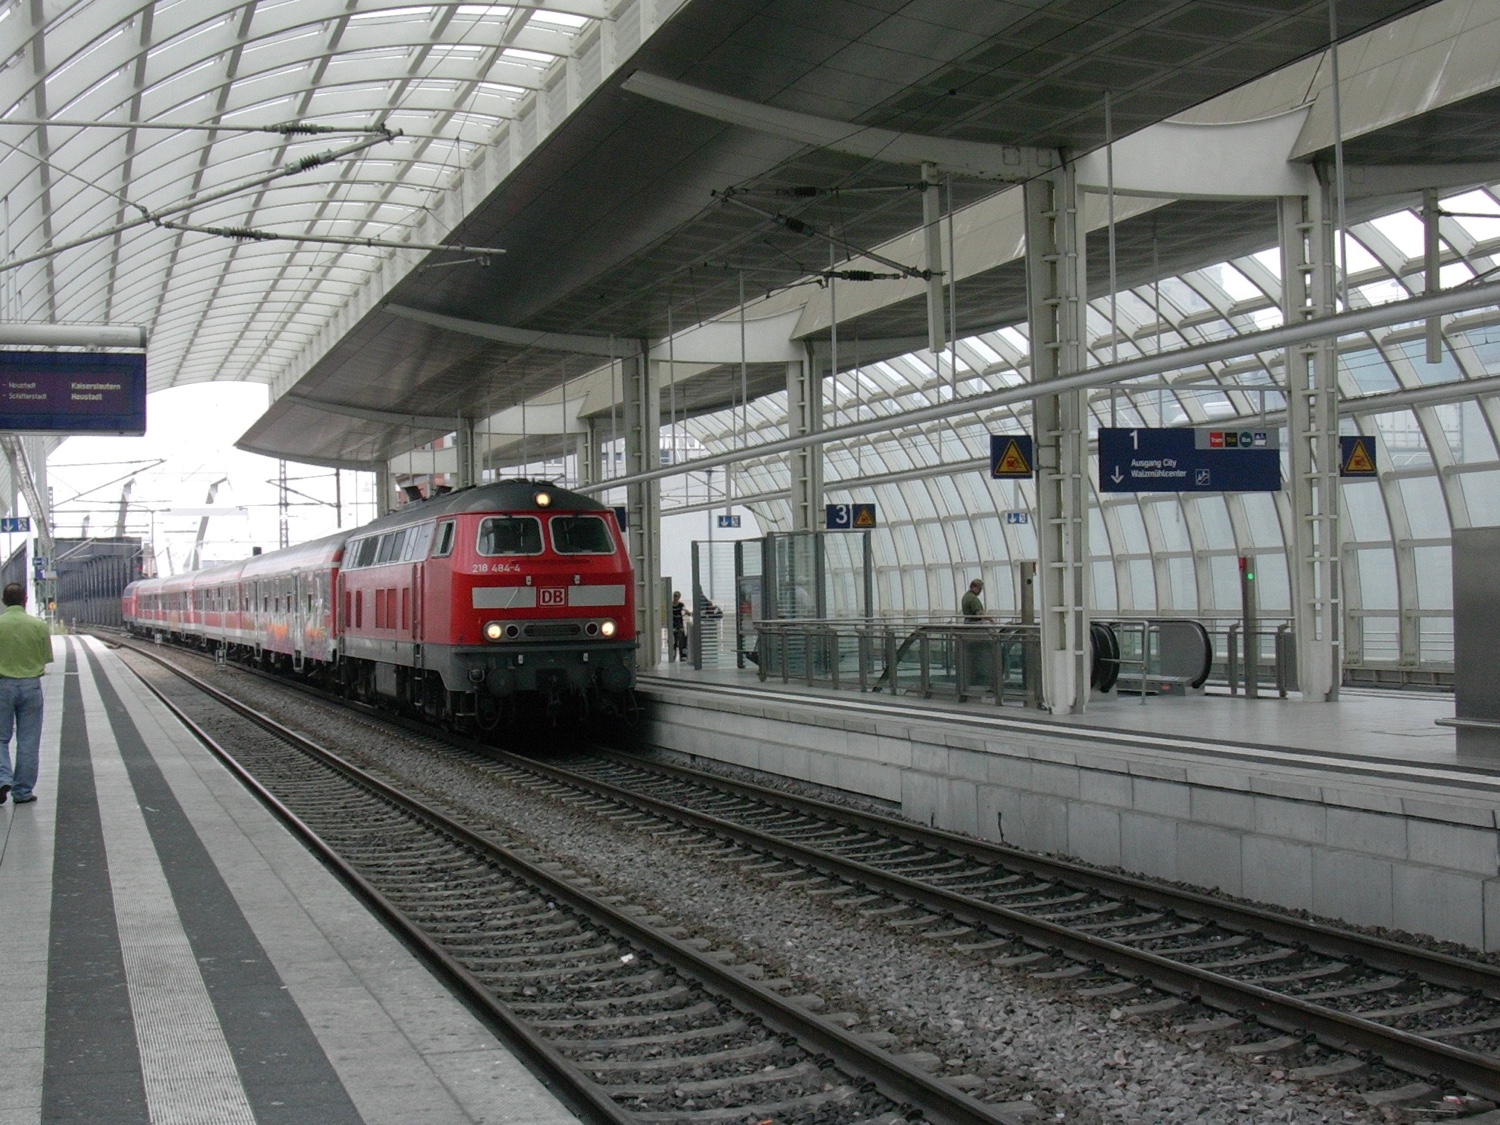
(553, 630)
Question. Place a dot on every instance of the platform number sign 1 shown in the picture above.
(850, 517)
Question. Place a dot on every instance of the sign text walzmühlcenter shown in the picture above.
(1189, 460)
(73, 392)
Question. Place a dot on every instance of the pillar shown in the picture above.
(1307, 272)
(643, 501)
(465, 476)
(1055, 298)
(384, 500)
(804, 409)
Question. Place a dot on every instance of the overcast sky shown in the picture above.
(192, 431)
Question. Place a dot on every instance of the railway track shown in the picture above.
(1278, 981)
(627, 1017)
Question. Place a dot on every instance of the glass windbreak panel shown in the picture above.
(581, 535)
(510, 535)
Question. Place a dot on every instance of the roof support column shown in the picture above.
(804, 415)
(385, 501)
(588, 453)
(1307, 272)
(1055, 283)
(464, 448)
(643, 500)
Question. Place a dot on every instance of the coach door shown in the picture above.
(297, 619)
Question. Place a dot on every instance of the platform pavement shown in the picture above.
(1397, 725)
(170, 953)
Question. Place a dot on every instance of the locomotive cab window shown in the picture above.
(581, 535)
(444, 546)
(510, 535)
(417, 540)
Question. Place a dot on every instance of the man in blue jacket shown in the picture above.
(25, 651)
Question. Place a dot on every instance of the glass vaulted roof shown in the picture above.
(446, 75)
(943, 520)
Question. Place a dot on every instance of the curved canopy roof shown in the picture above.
(443, 75)
(1436, 428)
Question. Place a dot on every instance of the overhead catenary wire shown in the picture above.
(155, 217)
(1345, 323)
(247, 234)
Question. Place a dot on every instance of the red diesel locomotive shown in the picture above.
(460, 608)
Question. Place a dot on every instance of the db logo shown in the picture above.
(554, 596)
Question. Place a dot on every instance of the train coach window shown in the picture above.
(510, 535)
(444, 546)
(581, 535)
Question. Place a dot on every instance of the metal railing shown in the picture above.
(924, 656)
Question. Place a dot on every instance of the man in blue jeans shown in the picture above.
(25, 651)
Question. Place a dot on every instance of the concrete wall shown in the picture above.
(1424, 859)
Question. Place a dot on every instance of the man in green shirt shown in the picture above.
(25, 651)
(972, 605)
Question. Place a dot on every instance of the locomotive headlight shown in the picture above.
(607, 628)
(493, 630)
(543, 499)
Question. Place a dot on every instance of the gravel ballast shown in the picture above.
(1027, 1043)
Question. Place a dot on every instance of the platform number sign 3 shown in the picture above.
(554, 595)
(850, 517)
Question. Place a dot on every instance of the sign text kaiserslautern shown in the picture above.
(1189, 460)
(73, 392)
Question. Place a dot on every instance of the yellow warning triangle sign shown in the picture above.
(1359, 460)
(864, 517)
(1012, 462)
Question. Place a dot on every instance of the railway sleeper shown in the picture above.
(795, 1072)
(1443, 1002)
(640, 1019)
(730, 1028)
(661, 996)
(730, 1055)
(763, 1111)
(479, 958)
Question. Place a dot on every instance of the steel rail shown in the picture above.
(903, 1082)
(1439, 968)
(578, 1089)
(1406, 1051)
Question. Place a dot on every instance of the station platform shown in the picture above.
(1361, 810)
(170, 953)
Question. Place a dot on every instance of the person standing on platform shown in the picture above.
(25, 652)
(972, 605)
(679, 627)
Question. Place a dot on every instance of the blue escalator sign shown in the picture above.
(1189, 460)
(729, 521)
(15, 523)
